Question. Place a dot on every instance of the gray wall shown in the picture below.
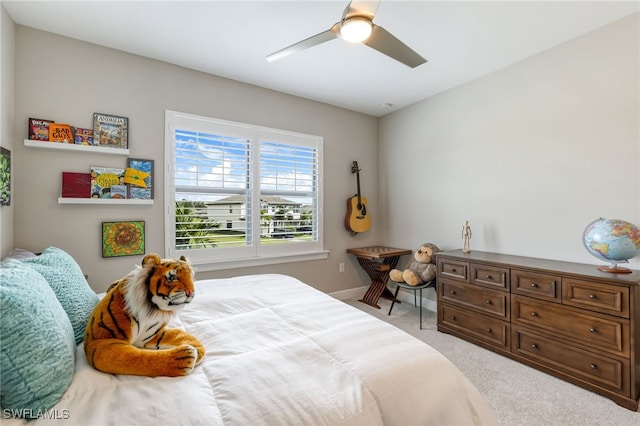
(68, 80)
(530, 154)
(7, 136)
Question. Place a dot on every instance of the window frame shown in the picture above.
(254, 254)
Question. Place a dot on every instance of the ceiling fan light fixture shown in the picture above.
(356, 29)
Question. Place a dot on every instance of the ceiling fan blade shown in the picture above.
(366, 8)
(384, 42)
(320, 38)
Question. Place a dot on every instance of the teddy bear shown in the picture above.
(421, 270)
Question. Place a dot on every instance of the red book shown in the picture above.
(76, 185)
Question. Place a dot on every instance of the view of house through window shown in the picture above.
(241, 191)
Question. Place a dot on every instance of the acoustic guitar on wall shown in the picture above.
(357, 219)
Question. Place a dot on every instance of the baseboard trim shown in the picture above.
(352, 293)
(407, 297)
(403, 295)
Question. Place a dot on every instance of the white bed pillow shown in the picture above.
(20, 254)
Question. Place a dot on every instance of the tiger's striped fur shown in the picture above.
(127, 333)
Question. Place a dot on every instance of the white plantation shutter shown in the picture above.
(211, 167)
(236, 191)
(289, 187)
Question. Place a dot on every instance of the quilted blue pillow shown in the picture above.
(37, 347)
(67, 281)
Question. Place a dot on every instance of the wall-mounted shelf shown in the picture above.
(103, 201)
(78, 148)
(87, 149)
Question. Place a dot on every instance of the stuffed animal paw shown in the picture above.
(183, 360)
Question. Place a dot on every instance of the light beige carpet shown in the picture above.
(518, 394)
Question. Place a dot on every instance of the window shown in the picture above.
(241, 195)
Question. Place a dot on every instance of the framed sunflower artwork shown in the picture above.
(122, 238)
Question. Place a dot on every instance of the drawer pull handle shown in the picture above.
(534, 285)
(533, 314)
(593, 330)
(453, 317)
(592, 297)
(534, 346)
(593, 366)
(488, 302)
(453, 269)
(488, 277)
(452, 291)
(488, 330)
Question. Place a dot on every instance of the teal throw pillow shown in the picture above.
(66, 279)
(37, 347)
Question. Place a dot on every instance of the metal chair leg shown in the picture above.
(420, 307)
(394, 299)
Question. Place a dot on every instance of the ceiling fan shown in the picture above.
(356, 26)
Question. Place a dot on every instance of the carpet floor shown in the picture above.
(518, 394)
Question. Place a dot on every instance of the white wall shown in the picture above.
(7, 136)
(529, 155)
(68, 80)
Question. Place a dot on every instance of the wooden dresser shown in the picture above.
(566, 319)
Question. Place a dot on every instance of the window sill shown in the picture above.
(259, 261)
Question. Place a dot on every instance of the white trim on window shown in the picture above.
(261, 186)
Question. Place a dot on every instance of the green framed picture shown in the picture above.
(122, 238)
(5, 177)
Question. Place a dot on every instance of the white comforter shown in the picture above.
(282, 353)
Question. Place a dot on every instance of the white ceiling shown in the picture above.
(461, 40)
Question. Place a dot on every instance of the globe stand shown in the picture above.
(614, 269)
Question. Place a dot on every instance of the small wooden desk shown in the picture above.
(377, 261)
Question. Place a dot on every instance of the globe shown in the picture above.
(612, 240)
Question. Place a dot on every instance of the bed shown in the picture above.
(279, 352)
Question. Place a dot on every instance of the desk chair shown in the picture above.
(428, 284)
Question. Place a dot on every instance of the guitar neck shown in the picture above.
(358, 186)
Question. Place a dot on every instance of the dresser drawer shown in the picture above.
(453, 269)
(534, 284)
(484, 300)
(595, 368)
(491, 276)
(486, 329)
(597, 332)
(599, 297)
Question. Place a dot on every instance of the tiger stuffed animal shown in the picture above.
(127, 333)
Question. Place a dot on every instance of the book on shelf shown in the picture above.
(39, 129)
(139, 178)
(110, 131)
(82, 136)
(59, 132)
(118, 191)
(76, 185)
(103, 178)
